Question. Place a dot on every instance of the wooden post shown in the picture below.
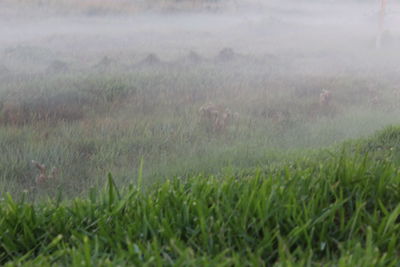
(381, 25)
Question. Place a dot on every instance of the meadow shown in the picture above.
(110, 118)
(196, 139)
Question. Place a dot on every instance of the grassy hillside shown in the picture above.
(331, 209)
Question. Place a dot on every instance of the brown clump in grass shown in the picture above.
(325, 98)
(65, 107)
(374, 101)
(44, 177)
(324, 108)
(216, 117)
(12, 113)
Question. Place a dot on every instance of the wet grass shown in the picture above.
(88, 123)
(275, 187)
(331, 210)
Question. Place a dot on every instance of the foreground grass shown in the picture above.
(342, 211)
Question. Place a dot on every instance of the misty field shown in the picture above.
(198, 133)
(110, 118)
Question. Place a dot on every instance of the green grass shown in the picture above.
(275, 187)
(332, 211)
(87, 123)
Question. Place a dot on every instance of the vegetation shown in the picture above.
(88, 124)
(339, 211)
(250, 194)
(134, 140)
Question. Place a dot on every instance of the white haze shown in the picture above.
(322, 37)
(284, 54)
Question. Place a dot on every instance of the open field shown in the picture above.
(88, 124)
(232, 135)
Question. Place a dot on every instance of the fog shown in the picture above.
(339, 34)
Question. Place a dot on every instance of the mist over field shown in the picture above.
(199, 133)
(329, 35)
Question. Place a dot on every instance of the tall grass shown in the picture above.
(342, 211)
(89, 123)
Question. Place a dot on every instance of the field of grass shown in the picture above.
(333, 208)
(88, 122)
(277, 187)
(197, 139)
